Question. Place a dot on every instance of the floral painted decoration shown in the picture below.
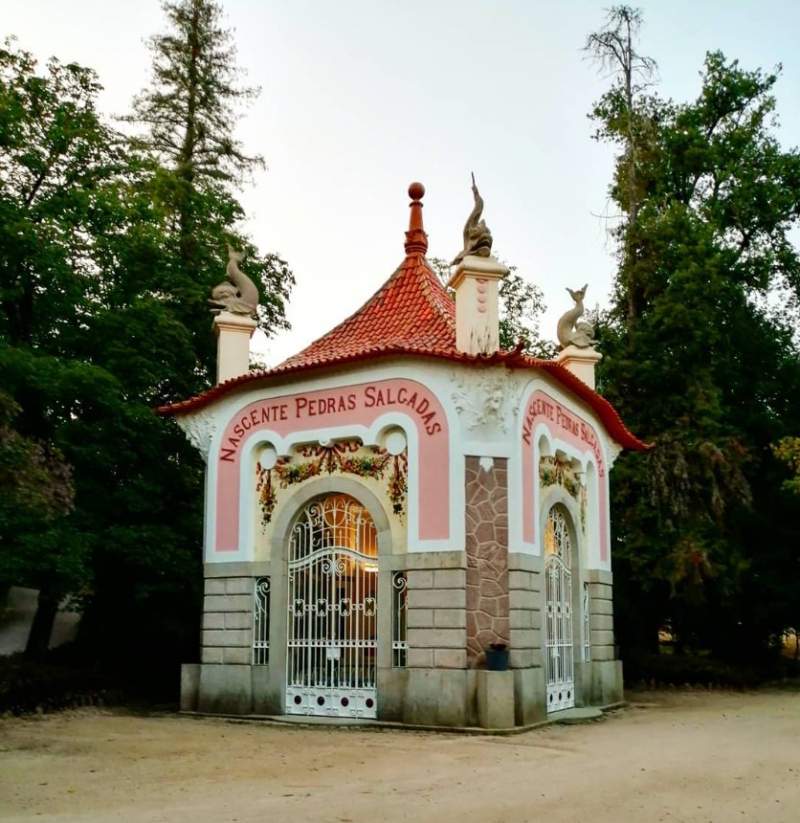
(342, 457)
(554, 472)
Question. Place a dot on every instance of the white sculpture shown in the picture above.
(240, 295)
(570, 331)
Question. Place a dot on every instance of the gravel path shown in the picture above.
(674, 757)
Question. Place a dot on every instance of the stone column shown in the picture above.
(233, 344)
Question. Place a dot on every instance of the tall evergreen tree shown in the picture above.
(189, 114)
(186, 167)
(104, 315)
(699, 360)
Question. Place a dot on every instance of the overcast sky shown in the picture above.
(361, 97)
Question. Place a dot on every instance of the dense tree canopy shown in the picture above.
(185, 122)
(700, 357)
(109, 246)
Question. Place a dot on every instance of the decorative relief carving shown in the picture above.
(556, 472)
(613, 451)
(344, 457)
(199, 428)
(489, 399)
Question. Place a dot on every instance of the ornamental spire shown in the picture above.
(416, 239)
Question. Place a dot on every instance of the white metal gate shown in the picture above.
(332, 620)
(558, 626)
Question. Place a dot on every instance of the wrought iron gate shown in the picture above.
(558, 625)
(332, 620)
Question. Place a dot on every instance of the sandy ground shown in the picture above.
(677, 757)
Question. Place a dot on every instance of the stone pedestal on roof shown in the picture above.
(476, 284)
(233, 333)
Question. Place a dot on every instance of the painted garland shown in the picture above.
(340, 458)
(553, 472)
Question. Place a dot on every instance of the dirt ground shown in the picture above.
(710, 757)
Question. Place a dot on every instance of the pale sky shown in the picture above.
(361, 97)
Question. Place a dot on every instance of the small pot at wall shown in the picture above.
(497, 657)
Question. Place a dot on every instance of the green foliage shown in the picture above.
(660, 670)
(36, 495)
(788, 451)
(56, 159)
(187, 118)
(109, 247)
(700, 357)
(190, 107)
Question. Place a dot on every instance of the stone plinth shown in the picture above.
(233, 344)
(581, 362)
(495, 699)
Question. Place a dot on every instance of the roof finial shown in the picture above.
(416, 239)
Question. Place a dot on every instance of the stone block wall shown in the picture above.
(487, 555)
(437, 618)
(525, 612)
(228, 620)
(601, 615)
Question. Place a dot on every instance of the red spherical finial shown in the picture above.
(416, 239)
(416, 191)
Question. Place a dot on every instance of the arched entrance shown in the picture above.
(332, 610)
(559, 648)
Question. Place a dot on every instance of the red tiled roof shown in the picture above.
(411, 314)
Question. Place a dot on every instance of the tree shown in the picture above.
(56, 160)
(521, 307)
(35, 490)
(614, 50)
(189, 113)
(182, 182)
(107, 257)
(702, 528)
(788, 451)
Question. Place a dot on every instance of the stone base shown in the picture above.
(495, 699)
(229, 689)
(225, 689)
(581, 362)
(437, 697)
(607, 686)
(530, 696)
(190, 686)
(450, 698)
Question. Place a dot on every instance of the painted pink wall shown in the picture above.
(360, 404)
(567, 426)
